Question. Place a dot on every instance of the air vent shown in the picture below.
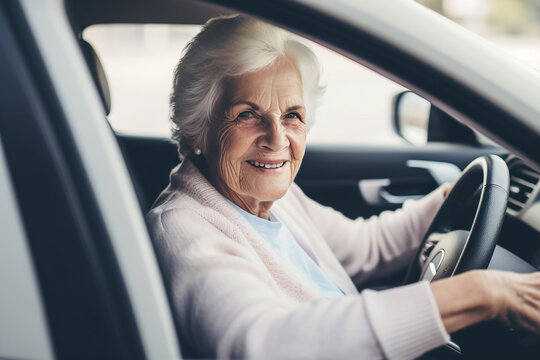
(523, 183)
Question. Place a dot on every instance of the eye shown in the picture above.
(247, 115)
(293, 115)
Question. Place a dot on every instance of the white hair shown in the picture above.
(229, 47)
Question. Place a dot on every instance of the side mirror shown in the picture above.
(411, 117)
(419, 122)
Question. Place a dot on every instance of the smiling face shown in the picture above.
(255, 151)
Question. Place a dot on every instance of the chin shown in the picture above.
(272, 194)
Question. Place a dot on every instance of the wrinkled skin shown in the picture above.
(264, 120)
(518, 299)
(480, 295)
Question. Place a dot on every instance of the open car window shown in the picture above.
(356, 108)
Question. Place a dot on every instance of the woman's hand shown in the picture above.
(480, 295)
(519, 297)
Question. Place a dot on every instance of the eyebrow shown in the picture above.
(256, 107)
(296, 107)
(238, 102)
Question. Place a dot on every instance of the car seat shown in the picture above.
(102, 85)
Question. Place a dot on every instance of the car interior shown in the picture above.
(149, 161)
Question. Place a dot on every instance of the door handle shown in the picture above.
(374, 192)
(397, 199)
(442, 172)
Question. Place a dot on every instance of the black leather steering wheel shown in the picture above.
(452, 246)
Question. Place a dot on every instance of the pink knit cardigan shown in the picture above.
(234, 297)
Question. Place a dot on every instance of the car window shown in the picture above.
(357, 108)
(139, 61)
(511, 25)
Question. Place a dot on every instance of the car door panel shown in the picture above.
(334, 176)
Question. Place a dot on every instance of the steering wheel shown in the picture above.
(451, 245)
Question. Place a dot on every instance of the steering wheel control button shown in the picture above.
(433, 266)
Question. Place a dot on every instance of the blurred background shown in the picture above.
(139, 61)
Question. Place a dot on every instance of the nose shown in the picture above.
(274, 137)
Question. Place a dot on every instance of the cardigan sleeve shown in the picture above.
(374, 247)
(226, 306)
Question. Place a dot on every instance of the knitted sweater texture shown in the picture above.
(234, 297)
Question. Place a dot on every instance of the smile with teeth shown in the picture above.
(266, 166)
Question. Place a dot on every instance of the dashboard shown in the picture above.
(520, 233)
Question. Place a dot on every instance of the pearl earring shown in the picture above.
(197, 151)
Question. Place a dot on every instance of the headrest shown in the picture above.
(98, 74)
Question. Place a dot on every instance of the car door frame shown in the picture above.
(99, 281)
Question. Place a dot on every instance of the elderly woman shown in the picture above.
(255, 269)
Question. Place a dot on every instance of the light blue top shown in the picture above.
(282, 241)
